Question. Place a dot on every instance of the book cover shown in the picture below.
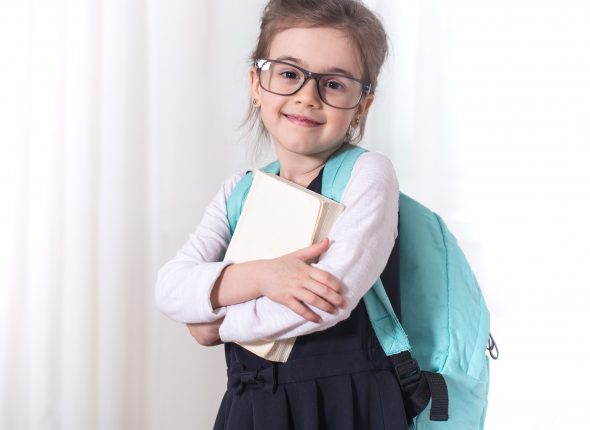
(279, 217)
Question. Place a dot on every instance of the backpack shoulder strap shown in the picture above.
(418, 387)
(236, 199)
(338, 169)
(386, 325)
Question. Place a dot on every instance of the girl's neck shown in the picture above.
(302, 169)
(301, 175)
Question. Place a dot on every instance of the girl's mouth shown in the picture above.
(302, 121)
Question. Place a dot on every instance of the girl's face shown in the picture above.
(301, 124)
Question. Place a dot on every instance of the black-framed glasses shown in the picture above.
(285, 79)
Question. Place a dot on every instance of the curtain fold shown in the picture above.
(76, 289)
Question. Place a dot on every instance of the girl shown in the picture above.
(312, 82)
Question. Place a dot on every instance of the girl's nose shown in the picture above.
(308, 94)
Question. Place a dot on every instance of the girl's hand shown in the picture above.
(288, 280)
(291, 281)
(207, 334)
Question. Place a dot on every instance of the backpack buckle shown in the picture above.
(492, 348)
(408, 373)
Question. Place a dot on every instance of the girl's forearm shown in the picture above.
(207, 334)
(237, 283)
(288, 280)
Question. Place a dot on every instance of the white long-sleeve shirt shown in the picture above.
(361, 241)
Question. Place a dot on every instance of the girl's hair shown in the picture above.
(349, 16)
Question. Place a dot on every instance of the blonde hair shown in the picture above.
(351, 17)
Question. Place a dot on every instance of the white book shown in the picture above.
(279, 217)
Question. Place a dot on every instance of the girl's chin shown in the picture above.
(306, 148)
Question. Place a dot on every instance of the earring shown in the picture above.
(255, 102)
(356, 122)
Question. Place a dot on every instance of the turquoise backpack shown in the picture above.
(445, 378)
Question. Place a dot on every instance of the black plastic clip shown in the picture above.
(408, 373)
(493, 348)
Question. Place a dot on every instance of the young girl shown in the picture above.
(312, 81)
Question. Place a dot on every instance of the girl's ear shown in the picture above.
(254, 84)
(365, 104)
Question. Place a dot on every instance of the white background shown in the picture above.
(119, 120)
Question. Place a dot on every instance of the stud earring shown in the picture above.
(356, 122)
(255, 102)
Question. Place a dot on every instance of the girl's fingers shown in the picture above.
(325, 278)
(302, 310)
(309, 298)
(326, 293)
(313, 251)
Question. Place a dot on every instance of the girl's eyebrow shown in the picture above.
(302, 63)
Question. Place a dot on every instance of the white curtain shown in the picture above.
(76, 237)
(119, 120)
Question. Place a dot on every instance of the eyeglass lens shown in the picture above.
(285, 79)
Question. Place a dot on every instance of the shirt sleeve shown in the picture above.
(361, 241)
(183, 286)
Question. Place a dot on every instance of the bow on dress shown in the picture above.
(239, 378)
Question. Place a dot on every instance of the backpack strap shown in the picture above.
(388, 329)
(338, 169)
(235, 202)
(418, 387)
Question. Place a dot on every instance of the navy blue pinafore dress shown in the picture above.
(336, 379)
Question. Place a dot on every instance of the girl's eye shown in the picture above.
(289, 74)
(334, 85)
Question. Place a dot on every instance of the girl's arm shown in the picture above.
(289, 280)
(184, 284)
(195, 286)
(362, 240)
(291, 272)
(207, 334)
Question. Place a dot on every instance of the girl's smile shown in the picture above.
(303, 121)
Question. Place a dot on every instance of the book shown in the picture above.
(279, 217)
